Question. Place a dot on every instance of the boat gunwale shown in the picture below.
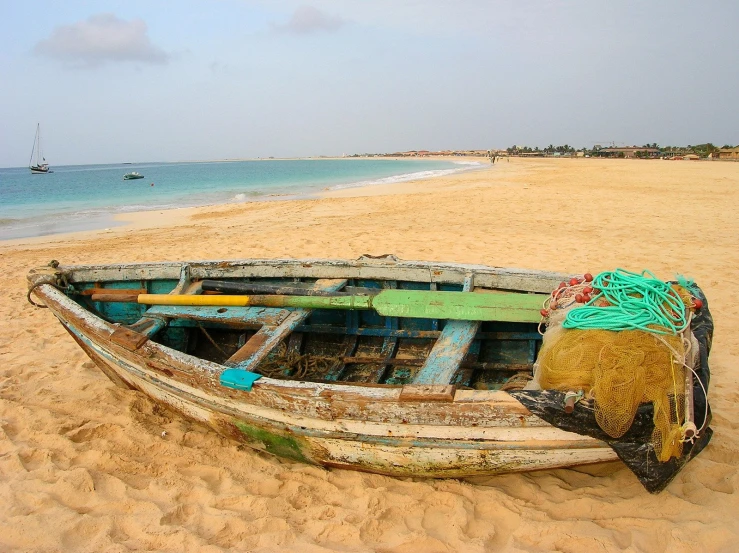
(499, 278)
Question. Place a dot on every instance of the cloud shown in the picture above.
(101, 39)
(308, 19)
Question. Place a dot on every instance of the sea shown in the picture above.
(87, 197)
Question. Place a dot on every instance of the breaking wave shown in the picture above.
(406, 177)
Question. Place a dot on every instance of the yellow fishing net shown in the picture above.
(620, 370)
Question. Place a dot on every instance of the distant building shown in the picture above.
(728, 153)
(627, 152)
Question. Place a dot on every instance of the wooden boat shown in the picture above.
(401, 396)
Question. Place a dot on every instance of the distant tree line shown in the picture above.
(566, 149)
(702, 150)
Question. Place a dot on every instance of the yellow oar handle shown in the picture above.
(189, 299)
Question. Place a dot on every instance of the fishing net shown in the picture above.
(621, 369)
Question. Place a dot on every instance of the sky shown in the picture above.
(139, 81)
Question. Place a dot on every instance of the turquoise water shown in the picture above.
(85, 197)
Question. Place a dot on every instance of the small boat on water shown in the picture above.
(40, 167)
(132, 176)
(393, 367)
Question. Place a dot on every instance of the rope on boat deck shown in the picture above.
(295, 366)
(630, 301)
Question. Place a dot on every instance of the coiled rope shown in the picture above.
(630, 301)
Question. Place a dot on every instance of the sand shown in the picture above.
(86, 466)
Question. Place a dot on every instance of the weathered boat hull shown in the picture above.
(393, 430)
(518, 442)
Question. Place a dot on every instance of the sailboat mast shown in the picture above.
(35, 148)
(39, 155)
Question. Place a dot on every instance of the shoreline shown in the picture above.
(135, 220)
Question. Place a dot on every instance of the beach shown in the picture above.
(87, 466)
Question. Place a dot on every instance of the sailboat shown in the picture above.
(40, 167)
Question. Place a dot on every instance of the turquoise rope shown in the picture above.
(659, 308)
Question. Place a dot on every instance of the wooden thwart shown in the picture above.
(235, 316)
(448, 353)
(227, 287)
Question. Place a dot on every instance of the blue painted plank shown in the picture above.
(448, 352)
(243, 315)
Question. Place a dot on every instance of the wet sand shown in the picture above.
(86, 466)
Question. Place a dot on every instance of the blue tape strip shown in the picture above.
(239, 379)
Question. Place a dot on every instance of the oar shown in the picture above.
(504, 306)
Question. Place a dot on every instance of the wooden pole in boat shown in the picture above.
(468, 306)
(255, 288)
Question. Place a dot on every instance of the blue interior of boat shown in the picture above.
(332, 345)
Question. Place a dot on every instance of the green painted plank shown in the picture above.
(465, 306)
